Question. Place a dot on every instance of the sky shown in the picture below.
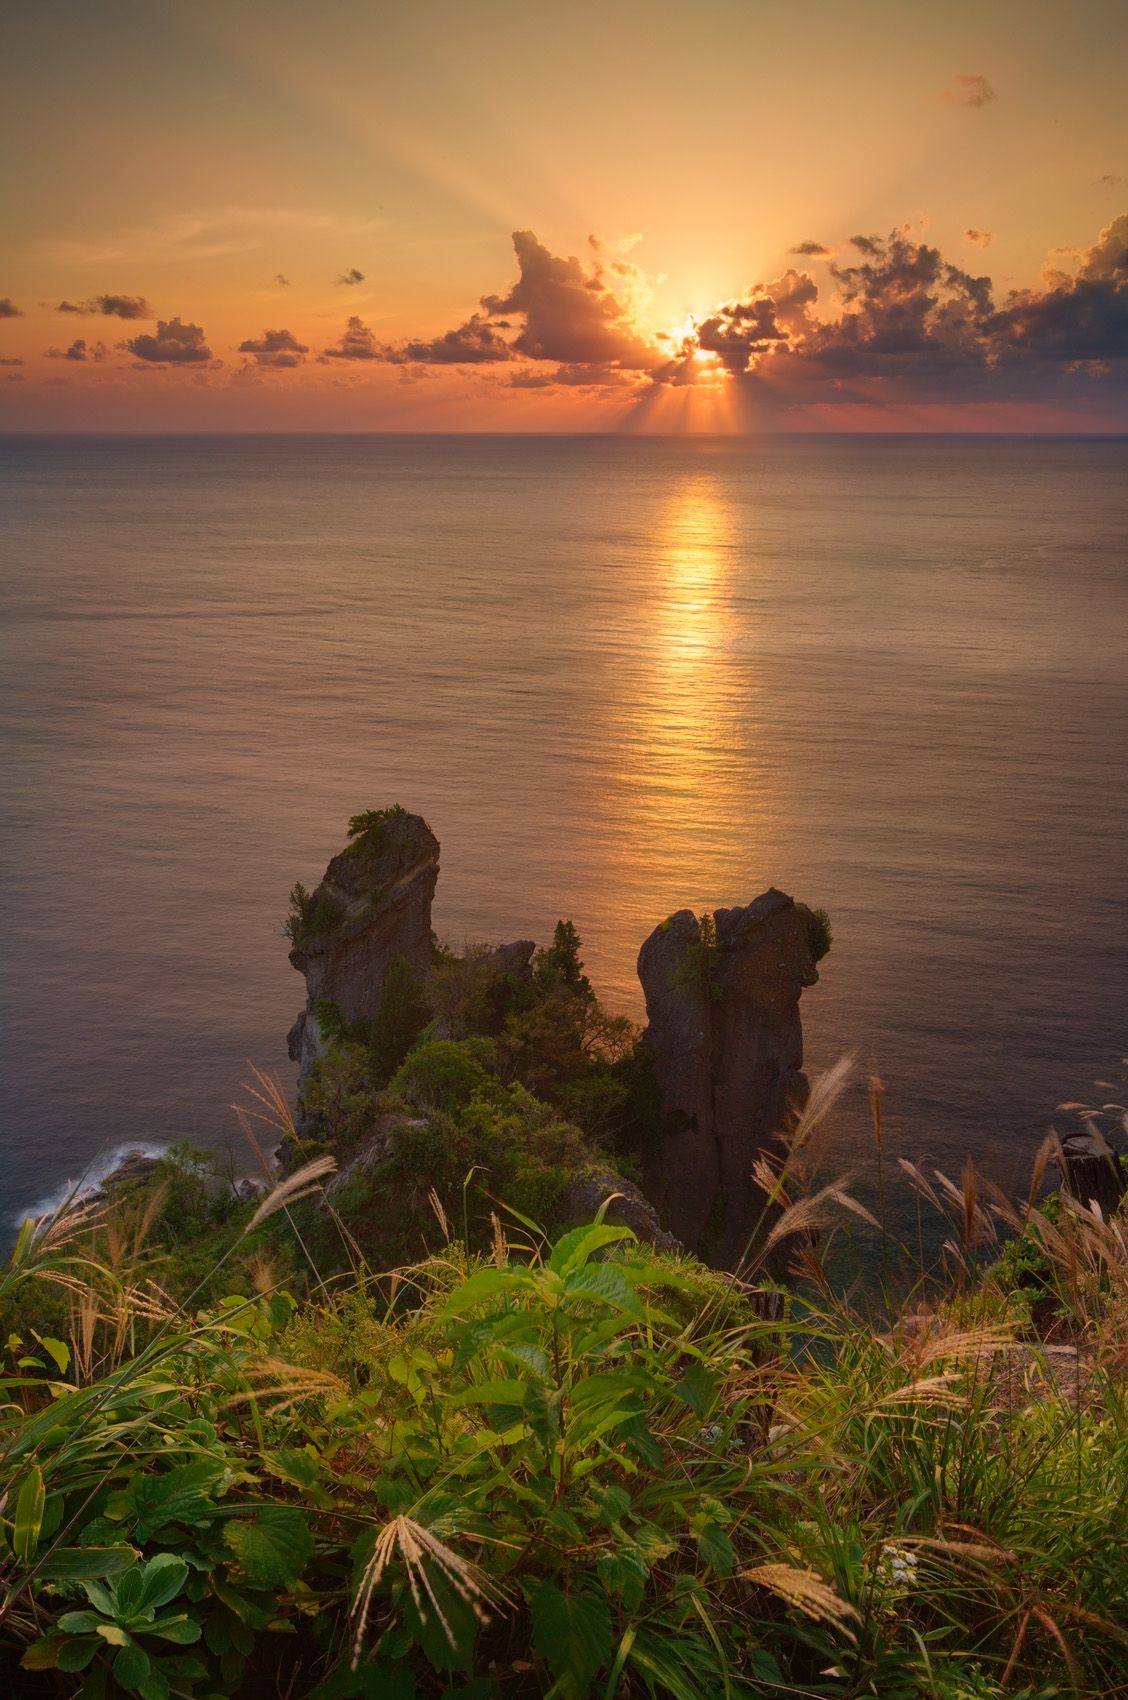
(254, 215)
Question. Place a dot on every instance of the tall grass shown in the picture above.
(572, 1468)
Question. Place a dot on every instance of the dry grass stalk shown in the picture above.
(809, 1592)
(300, 1184)
(440, 1214)
(418, 1548)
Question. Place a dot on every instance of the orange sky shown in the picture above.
(274, 216)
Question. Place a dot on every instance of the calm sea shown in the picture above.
(618, 677)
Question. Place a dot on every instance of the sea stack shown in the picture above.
(722, 1001)
(373, 904)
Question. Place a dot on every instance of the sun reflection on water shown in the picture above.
(686, 817)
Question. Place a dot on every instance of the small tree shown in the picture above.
(560, 964)
(400, 1017)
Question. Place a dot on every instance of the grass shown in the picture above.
(565, 1467)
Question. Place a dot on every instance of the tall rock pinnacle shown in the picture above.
(373, 904)
(722, 1001)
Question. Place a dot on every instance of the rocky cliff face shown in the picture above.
(727, 1047)
(373, 904)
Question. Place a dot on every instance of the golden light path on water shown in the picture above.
(687, 784)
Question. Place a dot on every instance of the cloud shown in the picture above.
(572, 314)
(12, 360)
(1084, 318)
(8, 308)
(278, 349)
(113, 306)
(175, 344)
(979, 238)
(80, 350)
(284, 281)
(811, 249)
(770, 315)
(474, 343)
(968, 89)
(351, 277)
(356, 342)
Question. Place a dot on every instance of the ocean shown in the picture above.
(618, 676)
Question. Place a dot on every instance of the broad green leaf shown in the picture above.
(484, 1284)
(605, 1281)
(573, 1249)
(697, 1389)
(76, 1655)
(58, 1351)
(294, 1465)
(44, 1653)
(29, 1514)
(572, 1633)
(182, 1630)
(131, 1666)
(82, 1564)
(163, 1578)
(80, 1622)
(716, 1549)
(182, 1495)
(491, 1393)
(624, 1575)
(273, 1544)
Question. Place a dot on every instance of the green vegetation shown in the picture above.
(366, 831)
(312, 914)
(700, 961)
(819, 932)
(402, 1015)
(565, 1467)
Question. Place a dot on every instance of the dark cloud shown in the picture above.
(771, 315)
(905, 324)
(474, 343)
(811, 249)
(356, 342)
(1084, 318)
(80, 350)
(1109, 180)
(979, 238)
(969, 89)
(570, 313)
(278, 349)
(284, 281)
(12, 360)
(8, 308)
(351, 277)
(175, 344)
(112, 306)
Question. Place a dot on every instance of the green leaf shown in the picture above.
(82, 1564)
(573, 1249)
(162, 1579)
(29, 1514)
(182, 1630)
(605, 1281)
(131, 1666)
(273, 1545)
(114, 1634)
(44, 1653)
(572, 1633)
(59, 1352)
(76, 1655)
(484, 1284)
(294, 1465)
(80, 1622)
(675, 1666)
(491, 1393)
(716, 1549)
(182, 1495)
(697, 1389)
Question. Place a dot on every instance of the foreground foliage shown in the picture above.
(572, 1469)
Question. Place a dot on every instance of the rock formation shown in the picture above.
(373, 905)
(722, 1002)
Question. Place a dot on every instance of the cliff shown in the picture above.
(726, 1041)
(372, 905)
